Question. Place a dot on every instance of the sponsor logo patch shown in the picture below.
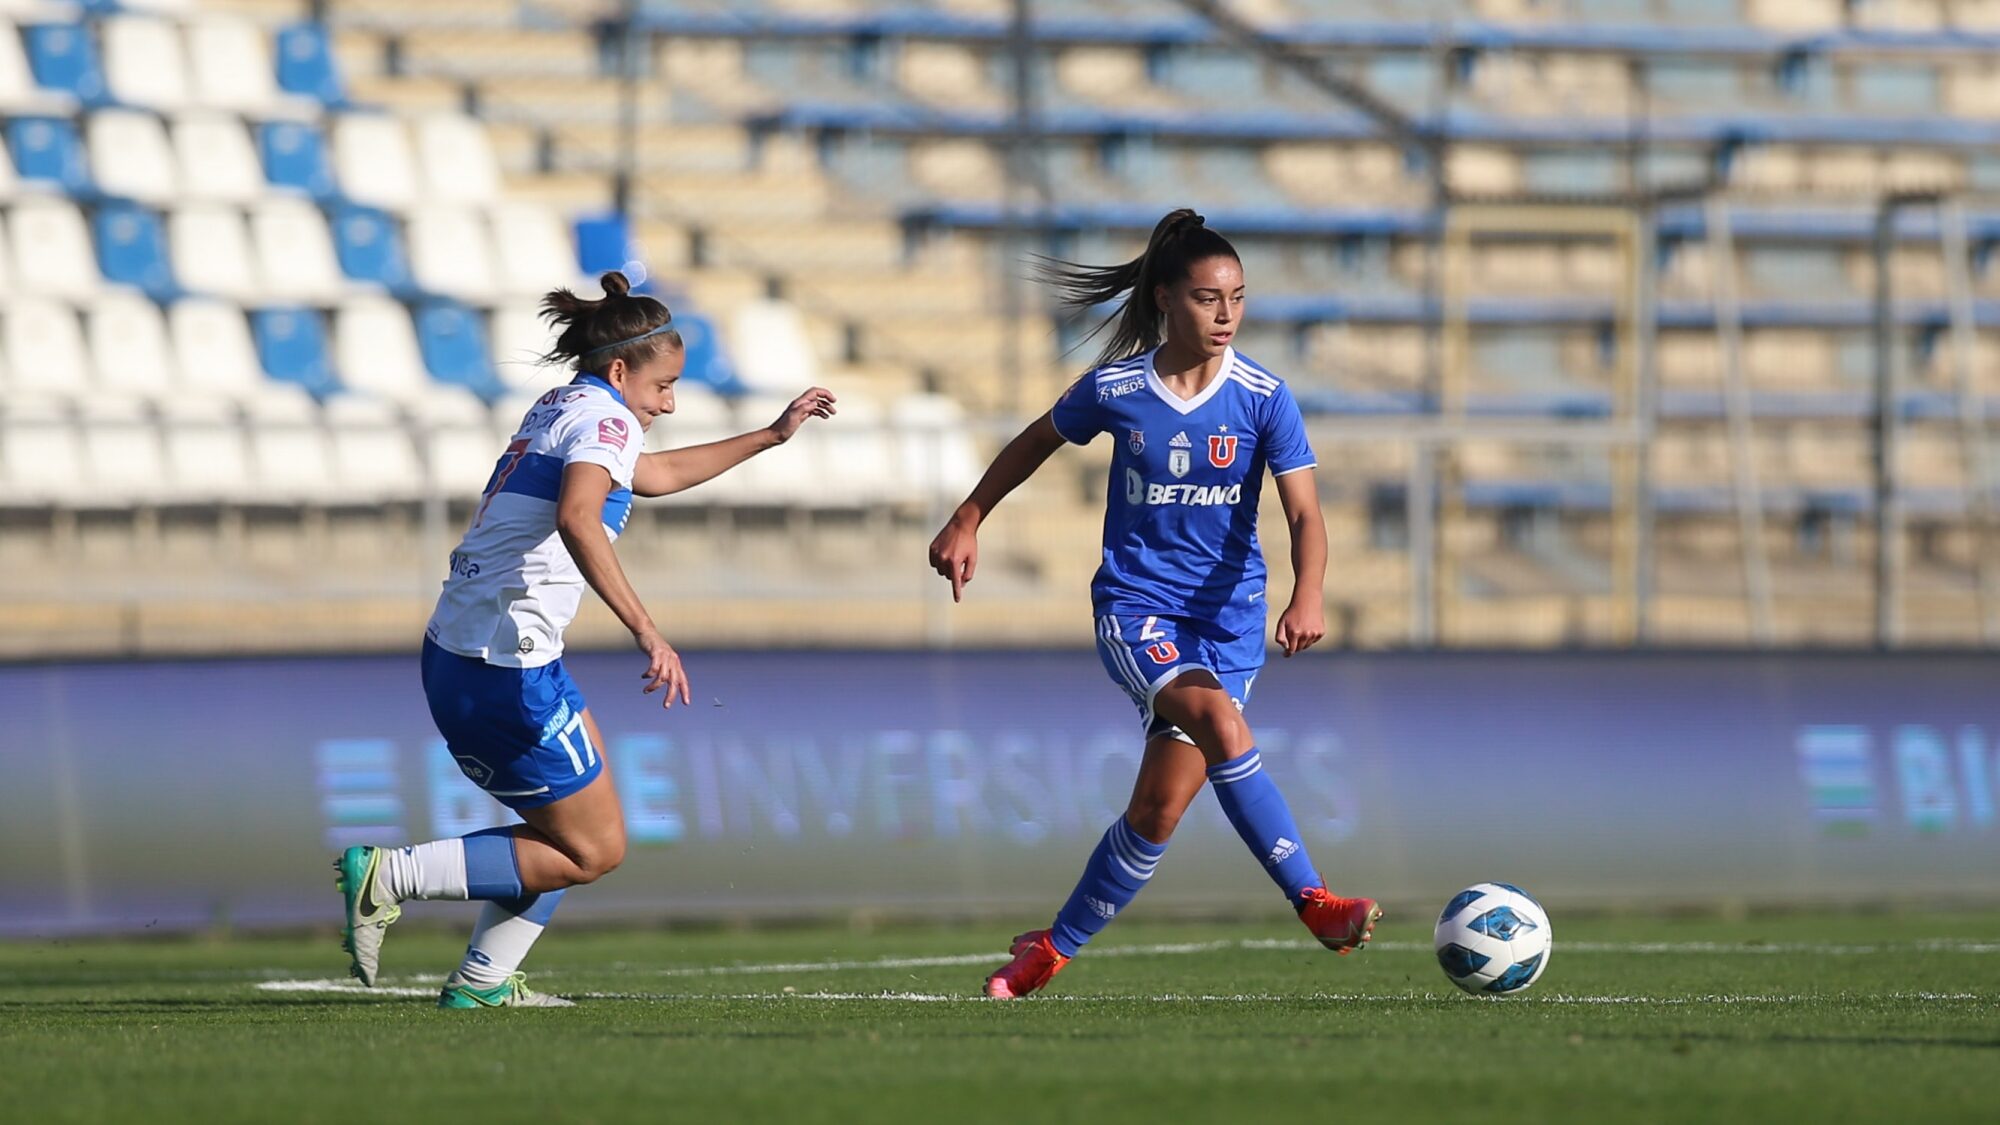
(614, 433)
(1121, 387)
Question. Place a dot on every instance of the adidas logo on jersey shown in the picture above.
(1284, 850)
(1181, 441)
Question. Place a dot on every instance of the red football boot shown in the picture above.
(1035, 963)
(1341, 924)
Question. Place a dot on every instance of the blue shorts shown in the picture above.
(1143, 653)
(518, 733)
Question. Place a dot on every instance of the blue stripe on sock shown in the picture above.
(491, 871)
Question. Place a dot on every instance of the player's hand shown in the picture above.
(815, 403)
(1301, 626)
(663, 668)
(955, 554)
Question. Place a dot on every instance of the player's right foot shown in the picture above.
(1035, 963)
(510, 993)
(1341, 924)
(370, 909)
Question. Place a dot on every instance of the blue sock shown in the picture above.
(491, 870)
(1255, 808)
(1117, 870)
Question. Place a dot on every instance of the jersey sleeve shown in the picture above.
(1077, 415)
(1286, 449)
(595, 437)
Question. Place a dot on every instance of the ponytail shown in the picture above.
(1180, 240)
(621, 325)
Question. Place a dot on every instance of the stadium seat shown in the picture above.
(18, 91)
(44, 347)
(371, 249)
(132, 250)
(121, 449)
(376, 352)
(207, 462)
(937, 452)
(295, 252)
(796, 478)
(216, 161)
(128, 347)
(453, 341)
(700, 408)
(291, 462)
(47, 152)
(459, 458)
(130, 157)
(291, 344)
(306, 66)
(52, 256)
(520, 337)
(232, 67)
(458, 161)
(212, 252)
(371, 158)
(143, 65)
(41, 460)
(217, 359)
(532, 245)
(772, 352)
(860, 456)
(604, 243)
(450, 254)
(295, 158)
(374, 463)
(64, 57)
(707, 362)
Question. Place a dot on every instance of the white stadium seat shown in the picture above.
(143, 64)
(374, 463)
(860, 452)
(460, 457)
(936, 452)
(520, 336)
(216, 160)
(794, 478)
(533, 249)
(233, 69)
(295, 252)
(10, 183)
(211, 252)
(449, 253)
(41, 460)
(698, 407)
(128, 347)
(52, 256)
(130, 157)
(458, 161)
(121, 450)
(207, 462)
(45, 355)
(376, 352)
(291, 461)
(6, 256)
(371, 159)
(772, 351)
(218, 359)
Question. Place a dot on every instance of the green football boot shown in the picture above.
(369, 909)
(510, 993)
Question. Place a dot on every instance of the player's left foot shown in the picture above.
(370, 909)
(1035, 963)
(1341, 924)
(510, 993)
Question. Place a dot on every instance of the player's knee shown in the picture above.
(1217, 727)
(598, 858)
(1154, 816)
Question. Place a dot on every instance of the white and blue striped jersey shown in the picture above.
(1180, 522)
(513, 587)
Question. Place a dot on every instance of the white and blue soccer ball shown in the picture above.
(1493, 939)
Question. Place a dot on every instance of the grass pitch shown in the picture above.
(1820, 1019)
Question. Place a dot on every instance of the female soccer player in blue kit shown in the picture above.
(1180, 598)
(492, 670)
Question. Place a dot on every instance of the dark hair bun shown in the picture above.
(615, 284)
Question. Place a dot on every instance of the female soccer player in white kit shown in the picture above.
(492, 669)
(1180, 598)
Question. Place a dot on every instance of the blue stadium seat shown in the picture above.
(453, 339)
(306, 66)
(706, 361)
(64, 57)
(291, 344)
(132, 250)
(47, 149)
(371, 249)
(605, 243)
(295, 157)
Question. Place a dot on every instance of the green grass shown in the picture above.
(1818, 1019)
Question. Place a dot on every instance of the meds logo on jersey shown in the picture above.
(1222, 450)
(613, 432)
(1136, 442)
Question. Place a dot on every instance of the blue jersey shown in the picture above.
(1180, 526)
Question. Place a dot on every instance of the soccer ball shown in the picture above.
(1493, 938)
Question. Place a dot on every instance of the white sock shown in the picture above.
(500, 942)
(433, 870)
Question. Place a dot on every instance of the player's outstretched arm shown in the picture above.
(677, 470)
(1304, 621)
(580, 522)
(955, 551)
